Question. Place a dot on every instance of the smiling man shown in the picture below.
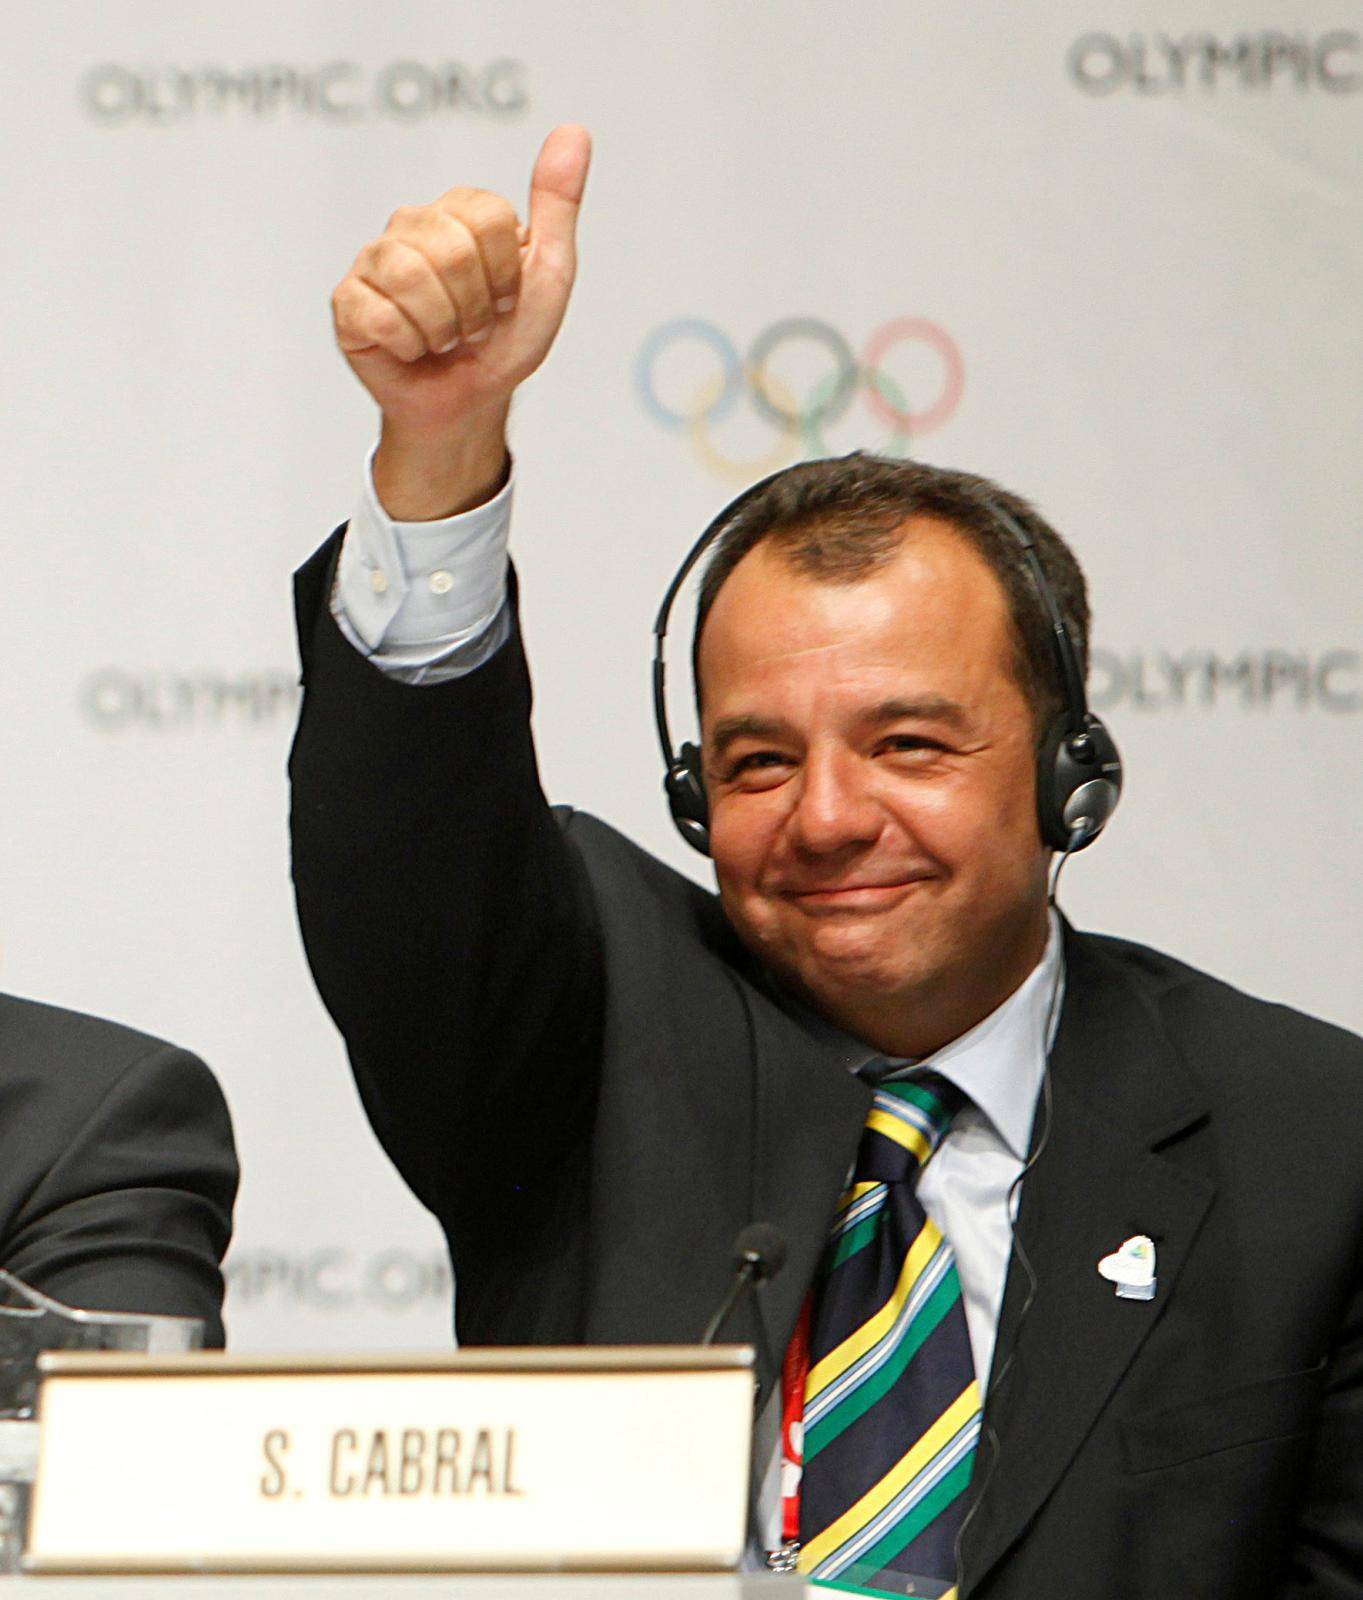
(869, 761)
(878, 1037)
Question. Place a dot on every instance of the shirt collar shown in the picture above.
(999, 1063)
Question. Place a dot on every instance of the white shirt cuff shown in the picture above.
(418, 591)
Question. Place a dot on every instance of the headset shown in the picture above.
(1078, 767)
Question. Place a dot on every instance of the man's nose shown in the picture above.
(835, 808)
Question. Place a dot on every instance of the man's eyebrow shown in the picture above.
(926, 708)
(727, 729)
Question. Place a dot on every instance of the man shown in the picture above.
(595, 1074)
(119, 1175)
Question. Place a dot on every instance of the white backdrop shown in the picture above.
(1131, 260)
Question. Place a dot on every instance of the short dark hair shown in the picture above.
(837, 520)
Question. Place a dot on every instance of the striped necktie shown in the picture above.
(892, 1408)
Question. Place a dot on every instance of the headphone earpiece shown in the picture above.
(1078, 781)
(683, 779)
(685, 785)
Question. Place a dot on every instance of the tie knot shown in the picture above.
(906, 1123)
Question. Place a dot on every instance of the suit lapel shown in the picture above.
(809, 1110)
(1119, 1093)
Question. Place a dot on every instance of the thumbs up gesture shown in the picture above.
(446, 312)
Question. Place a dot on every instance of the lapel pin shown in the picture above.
(1132, 1269)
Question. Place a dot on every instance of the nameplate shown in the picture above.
(494, 1460)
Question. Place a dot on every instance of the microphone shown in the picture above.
(762, 1249)
(759, 1253)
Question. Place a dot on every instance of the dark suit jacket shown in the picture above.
(117, 1169)
(565, 1051)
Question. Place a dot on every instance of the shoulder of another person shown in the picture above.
(72, 1050)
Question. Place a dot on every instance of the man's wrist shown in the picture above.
(426, 474)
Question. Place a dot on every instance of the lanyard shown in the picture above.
(794, 1373)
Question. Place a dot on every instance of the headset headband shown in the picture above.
(1066, 657)
(1076, 709)
(714, 529)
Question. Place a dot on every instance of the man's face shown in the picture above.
(869, 758)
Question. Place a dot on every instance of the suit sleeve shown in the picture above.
(136, 1211)
(447, 922)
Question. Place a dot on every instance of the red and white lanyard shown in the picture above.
(794, 1374)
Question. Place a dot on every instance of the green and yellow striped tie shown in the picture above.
(892, 1408)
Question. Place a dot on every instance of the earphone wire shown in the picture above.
(1012, 1202)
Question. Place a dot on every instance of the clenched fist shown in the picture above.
(444, 314)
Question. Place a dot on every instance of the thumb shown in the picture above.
(556, 187)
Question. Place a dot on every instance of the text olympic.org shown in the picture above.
(341, 92)
(334, 1279)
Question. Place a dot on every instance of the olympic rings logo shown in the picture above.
(801, 425)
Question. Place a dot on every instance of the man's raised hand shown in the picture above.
(444, 314)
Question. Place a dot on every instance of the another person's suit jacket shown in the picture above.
(117, 1166)
(571, 1060)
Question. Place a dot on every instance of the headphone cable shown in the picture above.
(1012, 1204)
